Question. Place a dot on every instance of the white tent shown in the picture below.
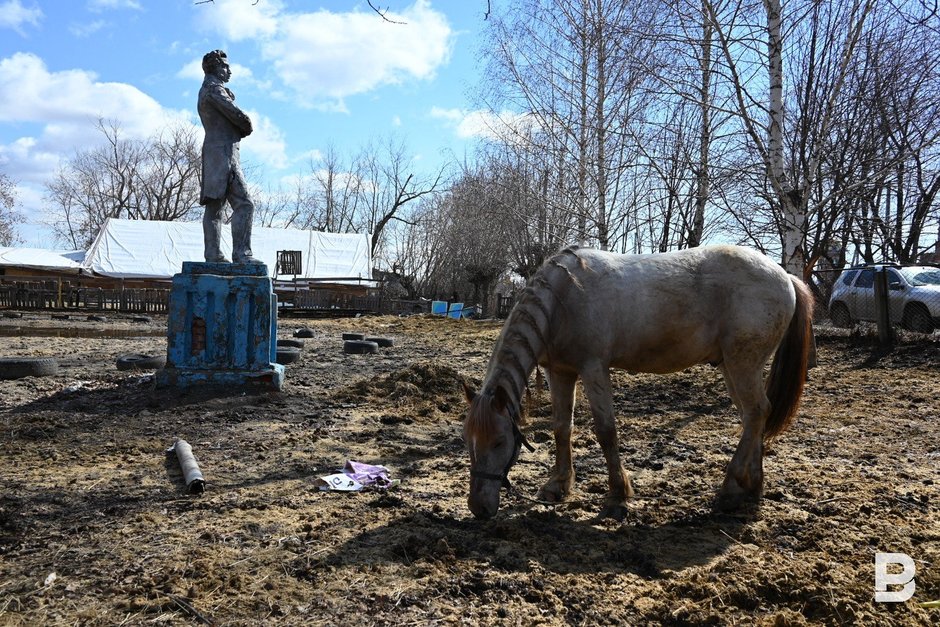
(156, 249)
(38, 258)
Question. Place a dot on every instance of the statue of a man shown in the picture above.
(222, 179)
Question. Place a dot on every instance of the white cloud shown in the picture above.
(192, 70)
(396, 121)
(14, 15)
(65, 107)
(241, 75)
(29, 92)
(58, 112)
(106, 5)
(480, 123)
(238, 20)
(323, 57)
(87, 29)
(266, 143)
(334, 55)
(454, 116)
(309, 156)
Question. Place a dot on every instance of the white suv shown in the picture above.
(913, 297)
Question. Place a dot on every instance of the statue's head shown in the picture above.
(216, 63)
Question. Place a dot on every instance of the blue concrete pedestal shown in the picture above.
(222, 328)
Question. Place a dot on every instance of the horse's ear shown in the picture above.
(469, 392)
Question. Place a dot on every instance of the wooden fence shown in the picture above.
(82, 294)
(325, 301)
(65, 295)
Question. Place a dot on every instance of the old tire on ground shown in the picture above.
(96, 318)
(360, 347)
(292, 342)
(839, 314)
(304, 332)
(354, 336)
(146, 319)
(60, 316)
(19, 367)
(287, 354)
(12, 314)
(140, 362)
(917, 318)
(383, 342)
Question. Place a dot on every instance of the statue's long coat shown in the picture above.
(225, 124)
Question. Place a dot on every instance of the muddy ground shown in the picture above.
(96, 527)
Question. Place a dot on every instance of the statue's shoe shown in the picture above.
(249, 260)
(219, 259)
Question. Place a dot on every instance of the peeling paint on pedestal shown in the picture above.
(222, 327)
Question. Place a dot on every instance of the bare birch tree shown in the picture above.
(391, 182)
(9, 217)
(832, 49)
(155, 179)
(571, 67)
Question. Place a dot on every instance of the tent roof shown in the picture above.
(38, 258)
(157, 249)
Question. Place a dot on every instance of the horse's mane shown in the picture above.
(524, 339)
(481, 419)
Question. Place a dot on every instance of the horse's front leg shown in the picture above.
(597, 389)
(562, 387)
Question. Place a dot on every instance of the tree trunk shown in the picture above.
(600, 120)
(705, 136)
(792, 211)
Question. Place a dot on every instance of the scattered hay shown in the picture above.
(424, 386)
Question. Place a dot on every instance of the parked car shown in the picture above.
(913, 297)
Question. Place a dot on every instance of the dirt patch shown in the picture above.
(96, 527)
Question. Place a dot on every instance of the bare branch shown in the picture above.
(383, 13)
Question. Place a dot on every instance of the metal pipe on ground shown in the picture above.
(195, 482)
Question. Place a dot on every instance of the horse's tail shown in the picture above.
(788, 370)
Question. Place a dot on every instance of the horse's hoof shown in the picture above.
(727, 503)
(736, 503)
(616, 511)
(552, 493)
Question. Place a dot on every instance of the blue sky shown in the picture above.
(310, 73)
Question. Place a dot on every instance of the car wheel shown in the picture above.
(304, 332)
(917, 318)
(359, 347)
(287, 354)
(290, 341)
(19, 367)
(140, 362)
(383, 342)
(354, 336)
(840, 316)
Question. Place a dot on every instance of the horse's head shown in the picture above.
(494, 440)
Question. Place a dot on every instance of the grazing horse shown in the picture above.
(586, 311)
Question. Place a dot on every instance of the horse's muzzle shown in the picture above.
(482, 510)
(484, 498)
